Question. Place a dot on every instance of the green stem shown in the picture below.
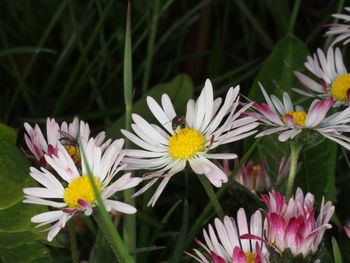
(212, 196)
(73, 242)
(295, 151)
(105, 222)
(129, 225)
(205, 213)
(113, 239)
(293, 16)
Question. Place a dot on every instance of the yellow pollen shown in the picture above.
(80, 188)
(250, 257)
(298, 117)
(73, 152)
(185, 143)
(256, 169)
(340, 87)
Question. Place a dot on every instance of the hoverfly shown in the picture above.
(71, 144)
(178, 121)
(67, 139)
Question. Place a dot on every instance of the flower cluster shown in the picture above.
(67, 181)
(288, 230)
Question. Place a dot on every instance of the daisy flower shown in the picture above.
(333, 80)
(75, 195)
(224, 245)
(347, 230)
(66, 133)
(208, 124)
(293, 225)
(291, 121)
(342, 31)
(255, 176)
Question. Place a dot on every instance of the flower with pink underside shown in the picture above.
(289, 121)
(66, 133)
(347, 230)
(71, 192)
(293, 226)
(224, 245)
(253, 176)
(342, 31)
(332, 78)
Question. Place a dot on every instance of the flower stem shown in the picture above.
(295, 151)
(73, 242)
(212, 196)
(112, 237)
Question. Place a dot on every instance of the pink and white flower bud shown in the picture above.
(293, 225)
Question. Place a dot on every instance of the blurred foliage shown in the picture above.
(65, 58)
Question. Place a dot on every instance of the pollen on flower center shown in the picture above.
(73, 152)
(250, 257)
(80, 188)
(298, 117)
(185, 143)
(340, 87)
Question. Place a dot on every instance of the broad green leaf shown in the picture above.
(8, 133)
(30, 252)
(17, 217)
(14, 174)
(276, 75)
(336, 251)
(11, 240)
(179, 89)
(317, 173)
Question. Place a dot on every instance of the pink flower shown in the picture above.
(224, 245)
(332, 78)
(255, 176)
(347, 230)
(293, 225)
(66, 133)
(342, 31)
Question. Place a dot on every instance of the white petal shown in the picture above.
(119, 206)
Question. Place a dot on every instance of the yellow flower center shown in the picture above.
(185, 143)
(340, 87)
(298, 117)
(80, 188)
(250, 257)
(73, 152)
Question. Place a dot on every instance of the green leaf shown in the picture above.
(179, 89)
(14, 174)
(317, 173)
(276, 75)
(11, 240)
(17, 217)
(30, 252)
(336, 251)
(8, 133)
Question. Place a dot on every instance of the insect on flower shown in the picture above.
(178, 121)
(71, 144)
